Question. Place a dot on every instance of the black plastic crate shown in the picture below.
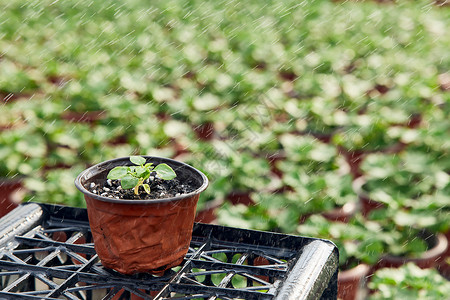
(47, 253)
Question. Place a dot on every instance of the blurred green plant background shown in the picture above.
(277, 101)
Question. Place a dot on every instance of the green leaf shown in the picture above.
(132, 170)
(140, 171)
(128, 182)
(146, 188)
(137, 160)
(146, 174)
(117, 173)
(165, 172)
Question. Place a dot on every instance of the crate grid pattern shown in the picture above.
(56, 259)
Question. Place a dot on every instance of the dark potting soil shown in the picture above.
(159, 189)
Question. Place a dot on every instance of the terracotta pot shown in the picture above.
(205, 131)
(208, 213)
(58, 80)
(5, 127)
(119, 140)
(261, 261)
(288, 75)
(273, 160)
(443, 78)
(302, 219)
(396, 148)
(444, 260)
(354, 158)
(14, 96)
(342, 214)
(8, 188)
(57, 166)
(322, 136)
(178, 148)
(283, 189)
(240, 197)
(414, 121)
(132, 236)
(437, 246)
(366, 204)
(86, 117)
(350, 282)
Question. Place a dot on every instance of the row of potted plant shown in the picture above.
(278, 115)
(403, 198)
(194, 63)
(61, 147)
(63, 143)
(408, 282)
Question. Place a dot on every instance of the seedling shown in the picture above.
(135, 176)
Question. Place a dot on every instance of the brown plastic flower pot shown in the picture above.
(351, 281)
(273, 160)
(209, 213)
(354, 159)
(366, 203)
(135, 236)
(341, 214)
(7, 189)
(437, 246)
(241, 197)
(205, 131)
(444, 260)
(89, 117)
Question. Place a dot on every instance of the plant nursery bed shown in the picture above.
(47, 253)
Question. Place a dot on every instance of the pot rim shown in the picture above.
(356, 272)
(11, 180)
(358, 188)
(357, 185)
(104, 166)
(348, 209)
(437, 250)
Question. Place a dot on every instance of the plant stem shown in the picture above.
(136, 188)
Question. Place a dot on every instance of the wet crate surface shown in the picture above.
(47, 252)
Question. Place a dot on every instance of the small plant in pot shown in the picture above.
(318, 116)
(391, 179)
(141, 211)
(408, 282)
(406, 237)
(318, 177)
(328, 193)
(405, 191)
(248, 174)
(367, 134)
(438, 206)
